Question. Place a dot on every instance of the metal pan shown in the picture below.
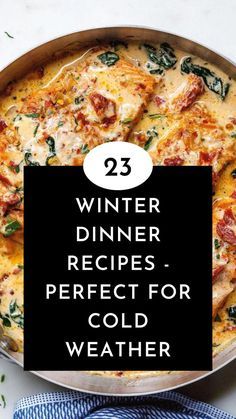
(142, 383)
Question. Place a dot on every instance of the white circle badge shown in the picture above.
(118, 165)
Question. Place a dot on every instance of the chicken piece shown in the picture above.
(195, 139)
(187, 93)
(224, 250)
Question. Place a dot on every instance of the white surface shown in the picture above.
(31, 22)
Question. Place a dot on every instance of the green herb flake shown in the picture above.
(216, 244)
(109, 58)
(79, 99)
(232, 312)
(233, 174)
(127, 120)
(36, 129)
(11, 227)
(51, 144)
(148, 143)
(156, 116)
(29, 161)
(6, 322)
(157, 70)
(16, 314)
(9, 36)
(217, 318)
(4, 403)
(84, 149)
(60, 124)
(15, 167)
(152, 132)
(2, 378)
(32, 115)
(233, 135)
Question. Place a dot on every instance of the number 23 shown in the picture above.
(111, 163)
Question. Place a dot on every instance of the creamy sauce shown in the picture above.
(68, 142)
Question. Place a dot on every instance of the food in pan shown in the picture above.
(179, 108)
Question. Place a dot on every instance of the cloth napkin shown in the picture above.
(76, 405)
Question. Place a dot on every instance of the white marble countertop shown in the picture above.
(31, 22)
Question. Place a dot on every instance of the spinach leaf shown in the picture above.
(11, 227)
(28, 160)
(84, 149)
(211, 80)
(163, 57)
(109, 58)
(6, 322)
(216, 244)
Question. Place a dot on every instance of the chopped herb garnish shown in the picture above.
(216, 244)
(156, 115)
(20, 266)
(52, 151)
(127, 121)
(217, 318)
(233, 134)
(233, 173)
(109, 58)
(16, 314)
(159, 71)
(32, 115)
(60, 124)
(3, 378)
(51, 144)
(79, 99)
(28, 160)
(84, 149)
(6, 322)
(15, 167)
(218, 256)
(232, 312)
(36, 129)
(11, 227)
(148, 143)
(9, 36)
(4, 403)
(152, 132)
(211, 80)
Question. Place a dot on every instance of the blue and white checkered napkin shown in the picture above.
(75, 405)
